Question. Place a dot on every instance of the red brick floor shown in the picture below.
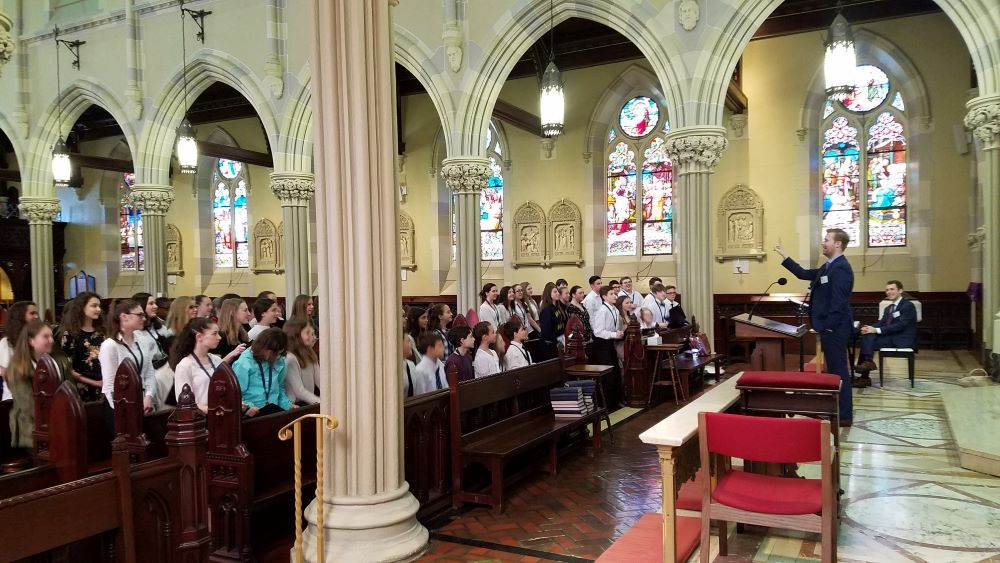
(573, 516)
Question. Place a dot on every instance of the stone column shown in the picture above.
(370, 514)
(467, 176)
(694, 152)
(984, 121)
(40, 212)
(154, 202)
(295, 190)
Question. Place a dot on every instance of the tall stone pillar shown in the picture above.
(466, 176)
(295, 190)
(40, 212)
(370, 514)
(694, 152)
(153, 202)
(984, 121)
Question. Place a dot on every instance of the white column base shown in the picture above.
(366, 529)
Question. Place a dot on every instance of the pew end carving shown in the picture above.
(44, 387)
(128, 416)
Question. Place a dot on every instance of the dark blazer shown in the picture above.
(676, 317)
(901, 332)
(829, 302)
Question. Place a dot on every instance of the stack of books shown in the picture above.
(574, 400)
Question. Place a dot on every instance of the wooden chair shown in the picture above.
(910, 354)
(807, 505)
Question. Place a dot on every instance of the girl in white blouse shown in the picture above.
(301, 363)
(126, 339)
(489, 310)
(191, 361)
(487, 362)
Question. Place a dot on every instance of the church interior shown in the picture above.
(359, 198)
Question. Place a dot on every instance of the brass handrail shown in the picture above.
(292, 430)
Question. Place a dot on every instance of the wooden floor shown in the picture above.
(907, 499)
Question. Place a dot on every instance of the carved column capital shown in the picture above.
(39, 210)
(293, 188)
(153, 199)
(984, 120)
(6, 40)
(696, 149)
(466, 174)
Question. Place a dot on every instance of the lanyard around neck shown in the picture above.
(614, 314)
(270, 381)
(138, 360)
(210, 362)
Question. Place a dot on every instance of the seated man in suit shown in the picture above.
(896, 329)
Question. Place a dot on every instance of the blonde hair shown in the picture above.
(177, 317)
(228, 326)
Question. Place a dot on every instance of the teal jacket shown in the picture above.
(260, 382)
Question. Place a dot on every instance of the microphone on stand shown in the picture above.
(779, 281)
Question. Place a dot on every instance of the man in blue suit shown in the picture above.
(830, 309)
(896, 329)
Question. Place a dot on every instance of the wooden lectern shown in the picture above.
(770, 337)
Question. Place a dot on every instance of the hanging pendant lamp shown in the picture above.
(840, 61)
(552, 103)
(62, 170)
(187, 145)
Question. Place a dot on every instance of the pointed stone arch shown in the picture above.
(294, 151)
(207, 67)
(54, 123)
(634, 80)
(10, 130)
(413, 55)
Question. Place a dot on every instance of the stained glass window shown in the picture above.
(864, 164)
(229, 215)
(639, 200)
(490, 203)
(639, 117)
(130, 227)
(871, 88)
(612, 135)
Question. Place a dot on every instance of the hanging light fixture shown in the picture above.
(62, 171)
(187, 145)
(553, 103)
(840, 62)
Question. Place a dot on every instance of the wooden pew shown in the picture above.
(66, 451)
(44, 387)
(144, 433)
(147, 512)
(252, 482)
(427, 449)
(497, 418)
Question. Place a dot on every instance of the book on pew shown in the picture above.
(568, 402)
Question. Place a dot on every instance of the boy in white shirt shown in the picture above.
(409, 369)
(517, 356)
(592, 301)
(430, 374)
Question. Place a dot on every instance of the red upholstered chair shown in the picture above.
(807, 505)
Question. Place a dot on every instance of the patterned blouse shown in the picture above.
(581, 312)
(82, 350)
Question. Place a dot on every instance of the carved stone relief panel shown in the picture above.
(407, 257)
(265, 248)
(741, 225)
(529, 235)
(565, 234)
(175, 251)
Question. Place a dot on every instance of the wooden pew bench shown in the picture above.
(251, 479)
(498, 418)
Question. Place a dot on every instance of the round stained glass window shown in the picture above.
(229, 168)
(871, 88)
(639, 117)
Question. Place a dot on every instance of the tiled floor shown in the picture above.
(906, 497)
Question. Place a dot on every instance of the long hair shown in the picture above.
(73, 314)
(299, 308)
(413, 322)
(525, 301)
(229, 327)
(15, 320)
(261, 305)
(547, 295)
(504, 300)
(271, 340)
(296, 346)
(481, 329)
(620, 304)
(20, 361)
(185, 341)
(142, 298)
(177, 317)
(434, 316)
(199, 298)
(486, 289)
(118, 308)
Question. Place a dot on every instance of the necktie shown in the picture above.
(409, 379)
(888, 313)
(437, 376)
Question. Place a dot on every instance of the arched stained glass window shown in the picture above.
(490, 202)
(229, 214)
(864, 162)
(652, 188)
(130, 227)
